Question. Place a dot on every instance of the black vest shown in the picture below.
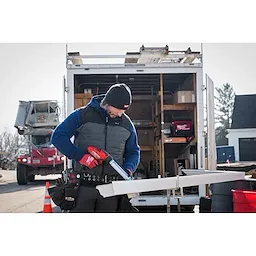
(99, 130)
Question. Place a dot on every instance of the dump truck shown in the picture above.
(36, 121)
(168, 111)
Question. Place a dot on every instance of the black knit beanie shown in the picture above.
(118, 96)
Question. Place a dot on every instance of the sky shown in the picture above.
(34, 71)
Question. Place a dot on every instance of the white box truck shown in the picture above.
(170, 130)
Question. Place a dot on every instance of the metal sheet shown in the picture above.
(136, 186)
(209, 178)
(194, 177)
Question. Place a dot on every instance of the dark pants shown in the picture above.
(90, 200)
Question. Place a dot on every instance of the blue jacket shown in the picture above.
(68, 128)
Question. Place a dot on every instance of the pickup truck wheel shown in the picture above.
(31, 178)
(22, 177)
(4, 166)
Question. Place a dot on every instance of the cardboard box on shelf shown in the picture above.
(82, 99)
(184, 97)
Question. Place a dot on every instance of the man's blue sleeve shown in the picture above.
(64, 132)
(132, 151)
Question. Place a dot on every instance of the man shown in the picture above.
(103, 124)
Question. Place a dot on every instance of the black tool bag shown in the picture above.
(124, 205)
(64, 195)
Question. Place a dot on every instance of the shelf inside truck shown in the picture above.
(143, 123)
(149, 148)
(179, 106)
(175, 140)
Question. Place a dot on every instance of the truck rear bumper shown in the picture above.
(45, 171)
(161, 200)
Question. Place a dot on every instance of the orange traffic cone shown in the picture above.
(47, 200)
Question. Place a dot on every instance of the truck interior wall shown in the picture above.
(142, 84)
(140, 110)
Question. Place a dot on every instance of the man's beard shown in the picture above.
(112, 115)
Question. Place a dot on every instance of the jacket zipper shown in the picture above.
(106, 132)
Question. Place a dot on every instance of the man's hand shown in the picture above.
(129, 172)
(89, 161)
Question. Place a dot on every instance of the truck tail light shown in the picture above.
(24, 160)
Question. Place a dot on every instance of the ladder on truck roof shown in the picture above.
(146, 55)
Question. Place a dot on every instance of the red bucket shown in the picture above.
(244, 200)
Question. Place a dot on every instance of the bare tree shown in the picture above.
(9, 143)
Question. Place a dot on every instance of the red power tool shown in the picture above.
(101, 155)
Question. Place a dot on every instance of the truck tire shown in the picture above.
(22, 177)
(31, 178)
(4, 166)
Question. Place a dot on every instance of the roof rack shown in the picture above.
(146, 55)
